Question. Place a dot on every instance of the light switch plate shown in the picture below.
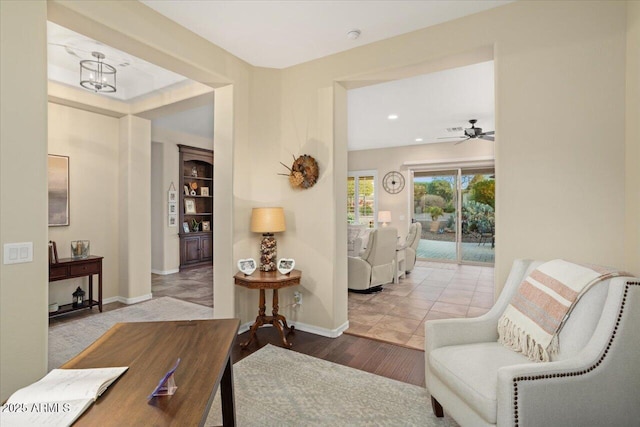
(16, 253)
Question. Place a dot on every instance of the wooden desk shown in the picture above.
(150, 349)
(69, 268)
(268, 280)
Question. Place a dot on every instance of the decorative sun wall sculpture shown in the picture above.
(303, 173)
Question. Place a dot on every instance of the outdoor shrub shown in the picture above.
(477, 217)
(435, 212)
(429, 200)
(449, 208)
(450, 222)
(484, 192)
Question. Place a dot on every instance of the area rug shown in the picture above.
(69, 338)
(279, 387)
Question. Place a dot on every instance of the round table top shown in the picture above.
(267, 279)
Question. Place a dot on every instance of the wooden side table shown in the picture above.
(268, 280)
(68, 268)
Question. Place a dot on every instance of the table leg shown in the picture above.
(100, 288)
(91, 291)
(226, 396)
(277, 318)
(259, 320)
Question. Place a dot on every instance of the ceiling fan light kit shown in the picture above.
(472, 133)
(96, 75)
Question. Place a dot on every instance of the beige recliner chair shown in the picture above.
(411, 243)
(375, 267)
(592, 381)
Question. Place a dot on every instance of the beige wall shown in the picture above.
(560, 67)
(134, 228)
(91, 142)
(23, 191)
(385, 160)
(632, 155)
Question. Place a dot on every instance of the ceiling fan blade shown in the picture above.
(491, 132)
(459, 142)
(449, 137)
(488, 138)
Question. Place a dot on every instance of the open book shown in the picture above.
(59, 398)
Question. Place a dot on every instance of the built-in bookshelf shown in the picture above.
(196, 206)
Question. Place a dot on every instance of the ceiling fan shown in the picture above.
(473, 133)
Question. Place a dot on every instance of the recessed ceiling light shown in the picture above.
(418, 139)
(392, 116)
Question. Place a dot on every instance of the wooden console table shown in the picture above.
(149, 349)
(69, 268)
(268, 280)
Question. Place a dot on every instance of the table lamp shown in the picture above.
(384, 217)
(267, 221)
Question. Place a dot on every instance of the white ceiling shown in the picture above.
(134, 77)
(283, 33)
(279, 34)
(426, 106)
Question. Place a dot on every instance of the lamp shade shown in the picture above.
(384, 216)
(267, 220)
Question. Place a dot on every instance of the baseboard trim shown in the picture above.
(110, 300)
(330, 333)
(129, 300)
(165, 272)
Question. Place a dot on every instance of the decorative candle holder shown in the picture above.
(80, 249)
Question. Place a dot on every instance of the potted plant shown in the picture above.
(435, 212)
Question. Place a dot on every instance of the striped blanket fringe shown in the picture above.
(521, 342)
(533, 319)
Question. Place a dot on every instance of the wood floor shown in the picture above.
(388, 360)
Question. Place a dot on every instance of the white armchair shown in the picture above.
(411, 242)
(375, 267)
(593, 381)
(355, 233)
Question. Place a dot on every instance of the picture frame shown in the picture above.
(189, 206)
(204, 191)
(286, 265)
(173, 220)
(58, 183)
(206, 226)
(185, 227)
(173, 208)
(247, 266)
(172, 196)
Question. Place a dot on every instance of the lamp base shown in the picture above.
(268, 252)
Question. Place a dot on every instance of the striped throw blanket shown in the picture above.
(544, 300)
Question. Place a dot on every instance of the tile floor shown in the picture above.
(432, 291)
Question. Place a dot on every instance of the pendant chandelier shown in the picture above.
(97, 76)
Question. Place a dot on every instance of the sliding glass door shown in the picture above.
(456, 210)
(435, 207)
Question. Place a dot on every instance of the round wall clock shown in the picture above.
(393, 182)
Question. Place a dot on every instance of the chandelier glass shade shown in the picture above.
(97, 76)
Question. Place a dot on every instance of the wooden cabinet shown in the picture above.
(195, 206)
(196, 249)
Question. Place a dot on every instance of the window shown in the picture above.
(361, 198)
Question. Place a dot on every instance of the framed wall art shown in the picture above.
(58, 180)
